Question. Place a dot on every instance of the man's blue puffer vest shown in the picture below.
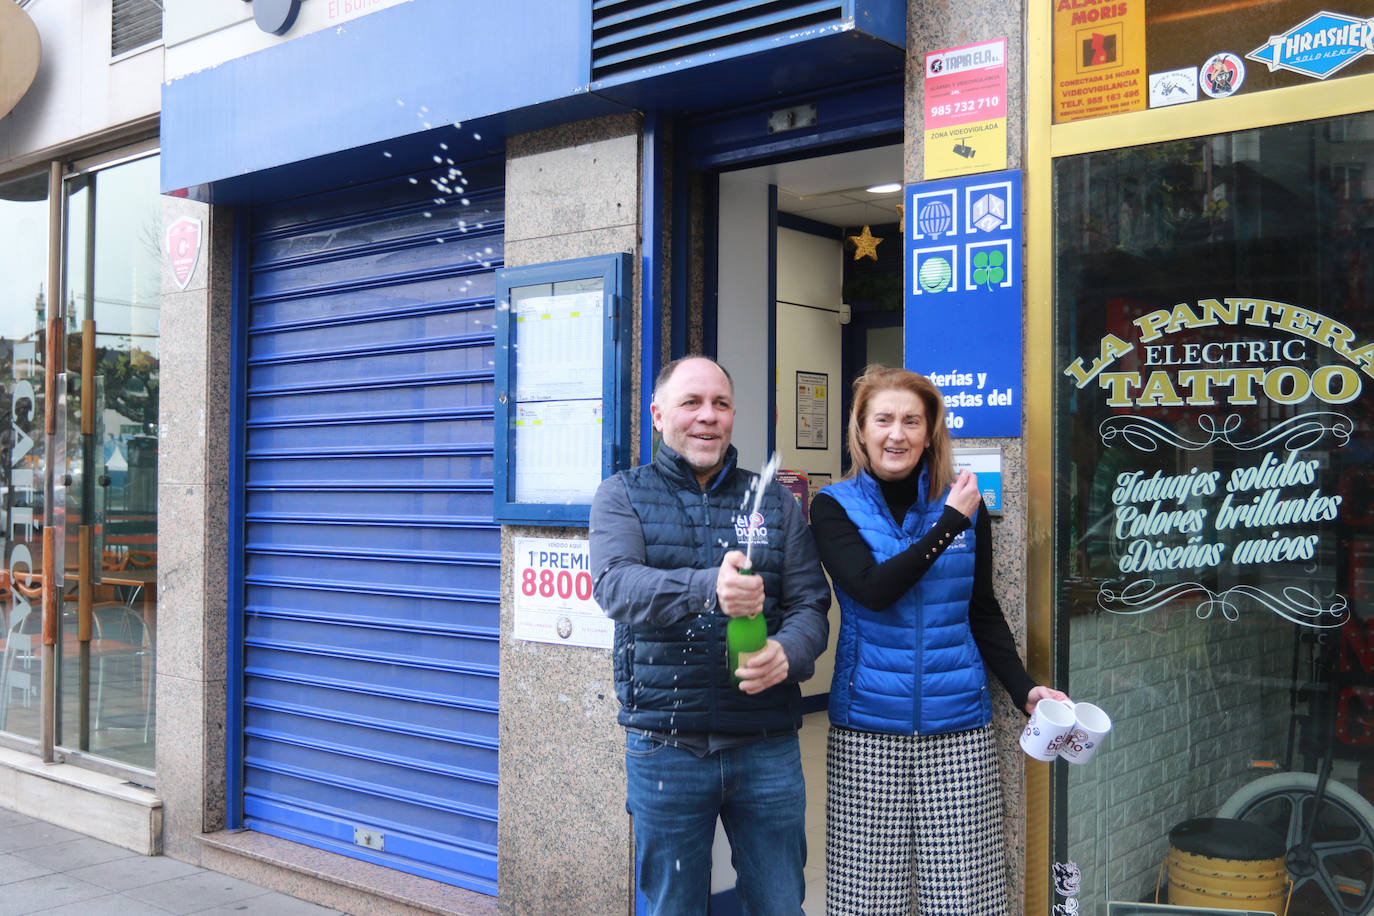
(675, 678)
(911, 668)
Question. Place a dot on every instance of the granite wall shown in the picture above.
(193, 486)
(563, 835)
(933, 27)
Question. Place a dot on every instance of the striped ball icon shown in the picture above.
(934, 274)
(934, 218)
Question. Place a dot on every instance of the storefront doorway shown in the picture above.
(78, 461)
(365, 722)
(798, 317)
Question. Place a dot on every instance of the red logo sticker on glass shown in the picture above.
(183, 249)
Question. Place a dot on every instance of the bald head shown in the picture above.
(667, 371)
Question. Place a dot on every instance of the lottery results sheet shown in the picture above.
(553, 594)
(558, 414)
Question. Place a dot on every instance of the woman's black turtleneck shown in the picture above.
(848, 559)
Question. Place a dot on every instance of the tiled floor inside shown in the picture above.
(813, 766)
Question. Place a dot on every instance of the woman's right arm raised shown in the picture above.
(849, 560)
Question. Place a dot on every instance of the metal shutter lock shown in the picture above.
(372, 839)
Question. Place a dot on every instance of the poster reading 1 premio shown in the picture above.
(963, 298)
(553, 594)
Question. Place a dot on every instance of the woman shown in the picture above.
(914, 810)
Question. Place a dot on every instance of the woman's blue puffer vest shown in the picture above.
(911, 668)
(675, 678)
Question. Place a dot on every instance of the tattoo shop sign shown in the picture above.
(1221, 420)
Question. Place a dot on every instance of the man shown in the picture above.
(668, 544)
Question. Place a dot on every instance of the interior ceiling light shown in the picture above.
(884, 188)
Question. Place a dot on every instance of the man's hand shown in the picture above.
(739, 595)
(766, 667)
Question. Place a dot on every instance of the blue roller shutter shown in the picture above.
(371, 564)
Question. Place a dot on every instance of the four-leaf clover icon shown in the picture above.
(987, 268)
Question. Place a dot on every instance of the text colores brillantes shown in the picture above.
(1203, 374)
(1274, 495)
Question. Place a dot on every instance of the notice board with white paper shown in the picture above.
(562, 424)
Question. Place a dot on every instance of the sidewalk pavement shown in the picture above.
(59, 872)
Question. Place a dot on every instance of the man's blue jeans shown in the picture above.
(675, 797)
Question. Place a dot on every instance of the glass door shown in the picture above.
(1214, 418)
(106, 468)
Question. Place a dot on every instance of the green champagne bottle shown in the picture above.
(743, 637)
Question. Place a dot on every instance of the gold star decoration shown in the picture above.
(901, 218)
(865, 244)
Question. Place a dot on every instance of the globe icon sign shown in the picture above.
(934, 274)
(934, 218)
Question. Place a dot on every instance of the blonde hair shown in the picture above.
(939, 457)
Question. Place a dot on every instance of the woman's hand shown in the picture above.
(1042, 693)
(963, 494)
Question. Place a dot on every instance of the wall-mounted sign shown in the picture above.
(20, 50)
(963, 298)
(986, 463)
(1099, 58)
(275, 16)
(966, 110)
(798, 484)
(813, 405)
(553, 594)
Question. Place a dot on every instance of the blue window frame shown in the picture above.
(562, 386)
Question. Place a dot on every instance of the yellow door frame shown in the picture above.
(1046, 142)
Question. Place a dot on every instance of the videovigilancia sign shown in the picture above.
(966, 110)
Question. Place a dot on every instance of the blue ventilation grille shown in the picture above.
(371, 589)
(632, 35)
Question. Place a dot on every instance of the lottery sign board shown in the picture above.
(963, 298)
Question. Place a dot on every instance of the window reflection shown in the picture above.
(23, 301)
(114, 224)
(103, 467)
(1214, 433)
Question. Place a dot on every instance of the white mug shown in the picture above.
(1049, 725)
(1091, 725)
